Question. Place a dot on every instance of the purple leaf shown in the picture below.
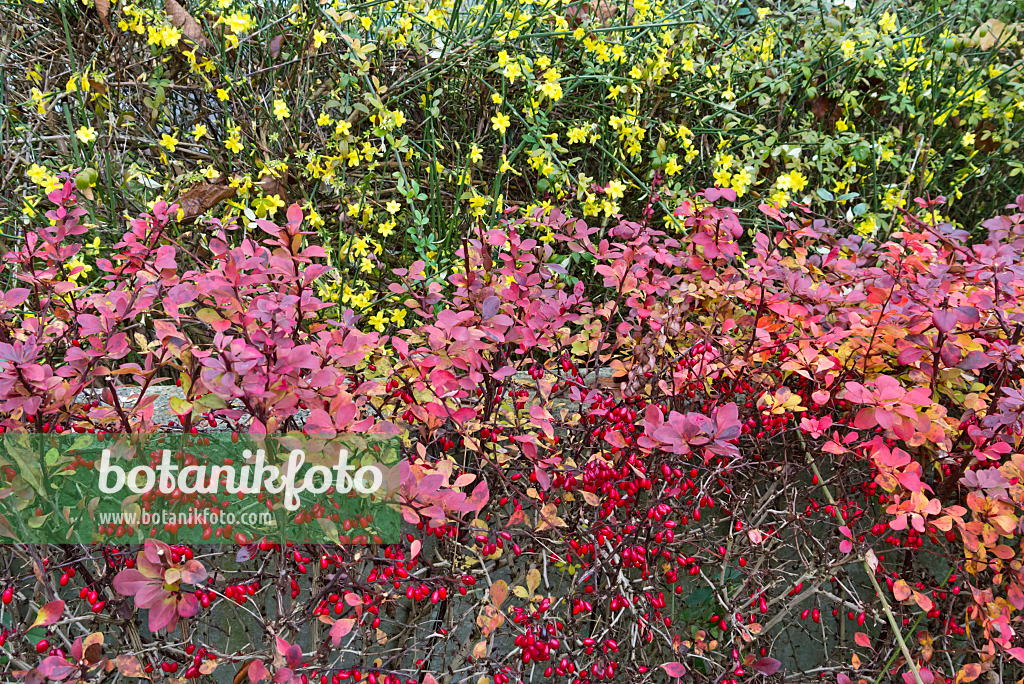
(944, 320)
(767, 666)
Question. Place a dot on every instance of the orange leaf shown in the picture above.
(499, 590)
(862, 639)
(968, 673)
(901, 590)
(129, 666)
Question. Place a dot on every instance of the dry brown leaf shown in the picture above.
(601, 10)
(240, 676)
(103, 9)
(182, 19)
(202, 197)
(274, 185)
(994, 32)
(275, 45)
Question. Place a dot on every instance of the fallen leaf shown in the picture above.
(241, 674)
(203, 197)
(182, 19)
(103, 9)
(994, 32)
(275, 45)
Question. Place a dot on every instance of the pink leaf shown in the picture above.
(55, 668)
(674, 669)
(340, 629)
(944, 320)
(257, 672)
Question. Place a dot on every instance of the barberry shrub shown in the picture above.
(697, 462)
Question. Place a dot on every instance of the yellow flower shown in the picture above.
(393, 207)
(222, 94)
(475, 153)
(86, 134)
(199, 131)
(74, 264)
(324, 119)
(967, 140)
(500, 122)
(398, 317)
(615, 190)
(378, 321)
(268, 204)
(319, 38)
(477, 204)
(168, 142)
(386, 229)
(797, 181)
(238, 22)
(887, 23)
(512, 71)
(233, 143)
(281, 110)
(496, 98)
(672, 167)
(38, 174)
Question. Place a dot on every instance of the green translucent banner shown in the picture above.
(207, 488)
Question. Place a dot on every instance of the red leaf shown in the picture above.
(767, 666)
(49, 614)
